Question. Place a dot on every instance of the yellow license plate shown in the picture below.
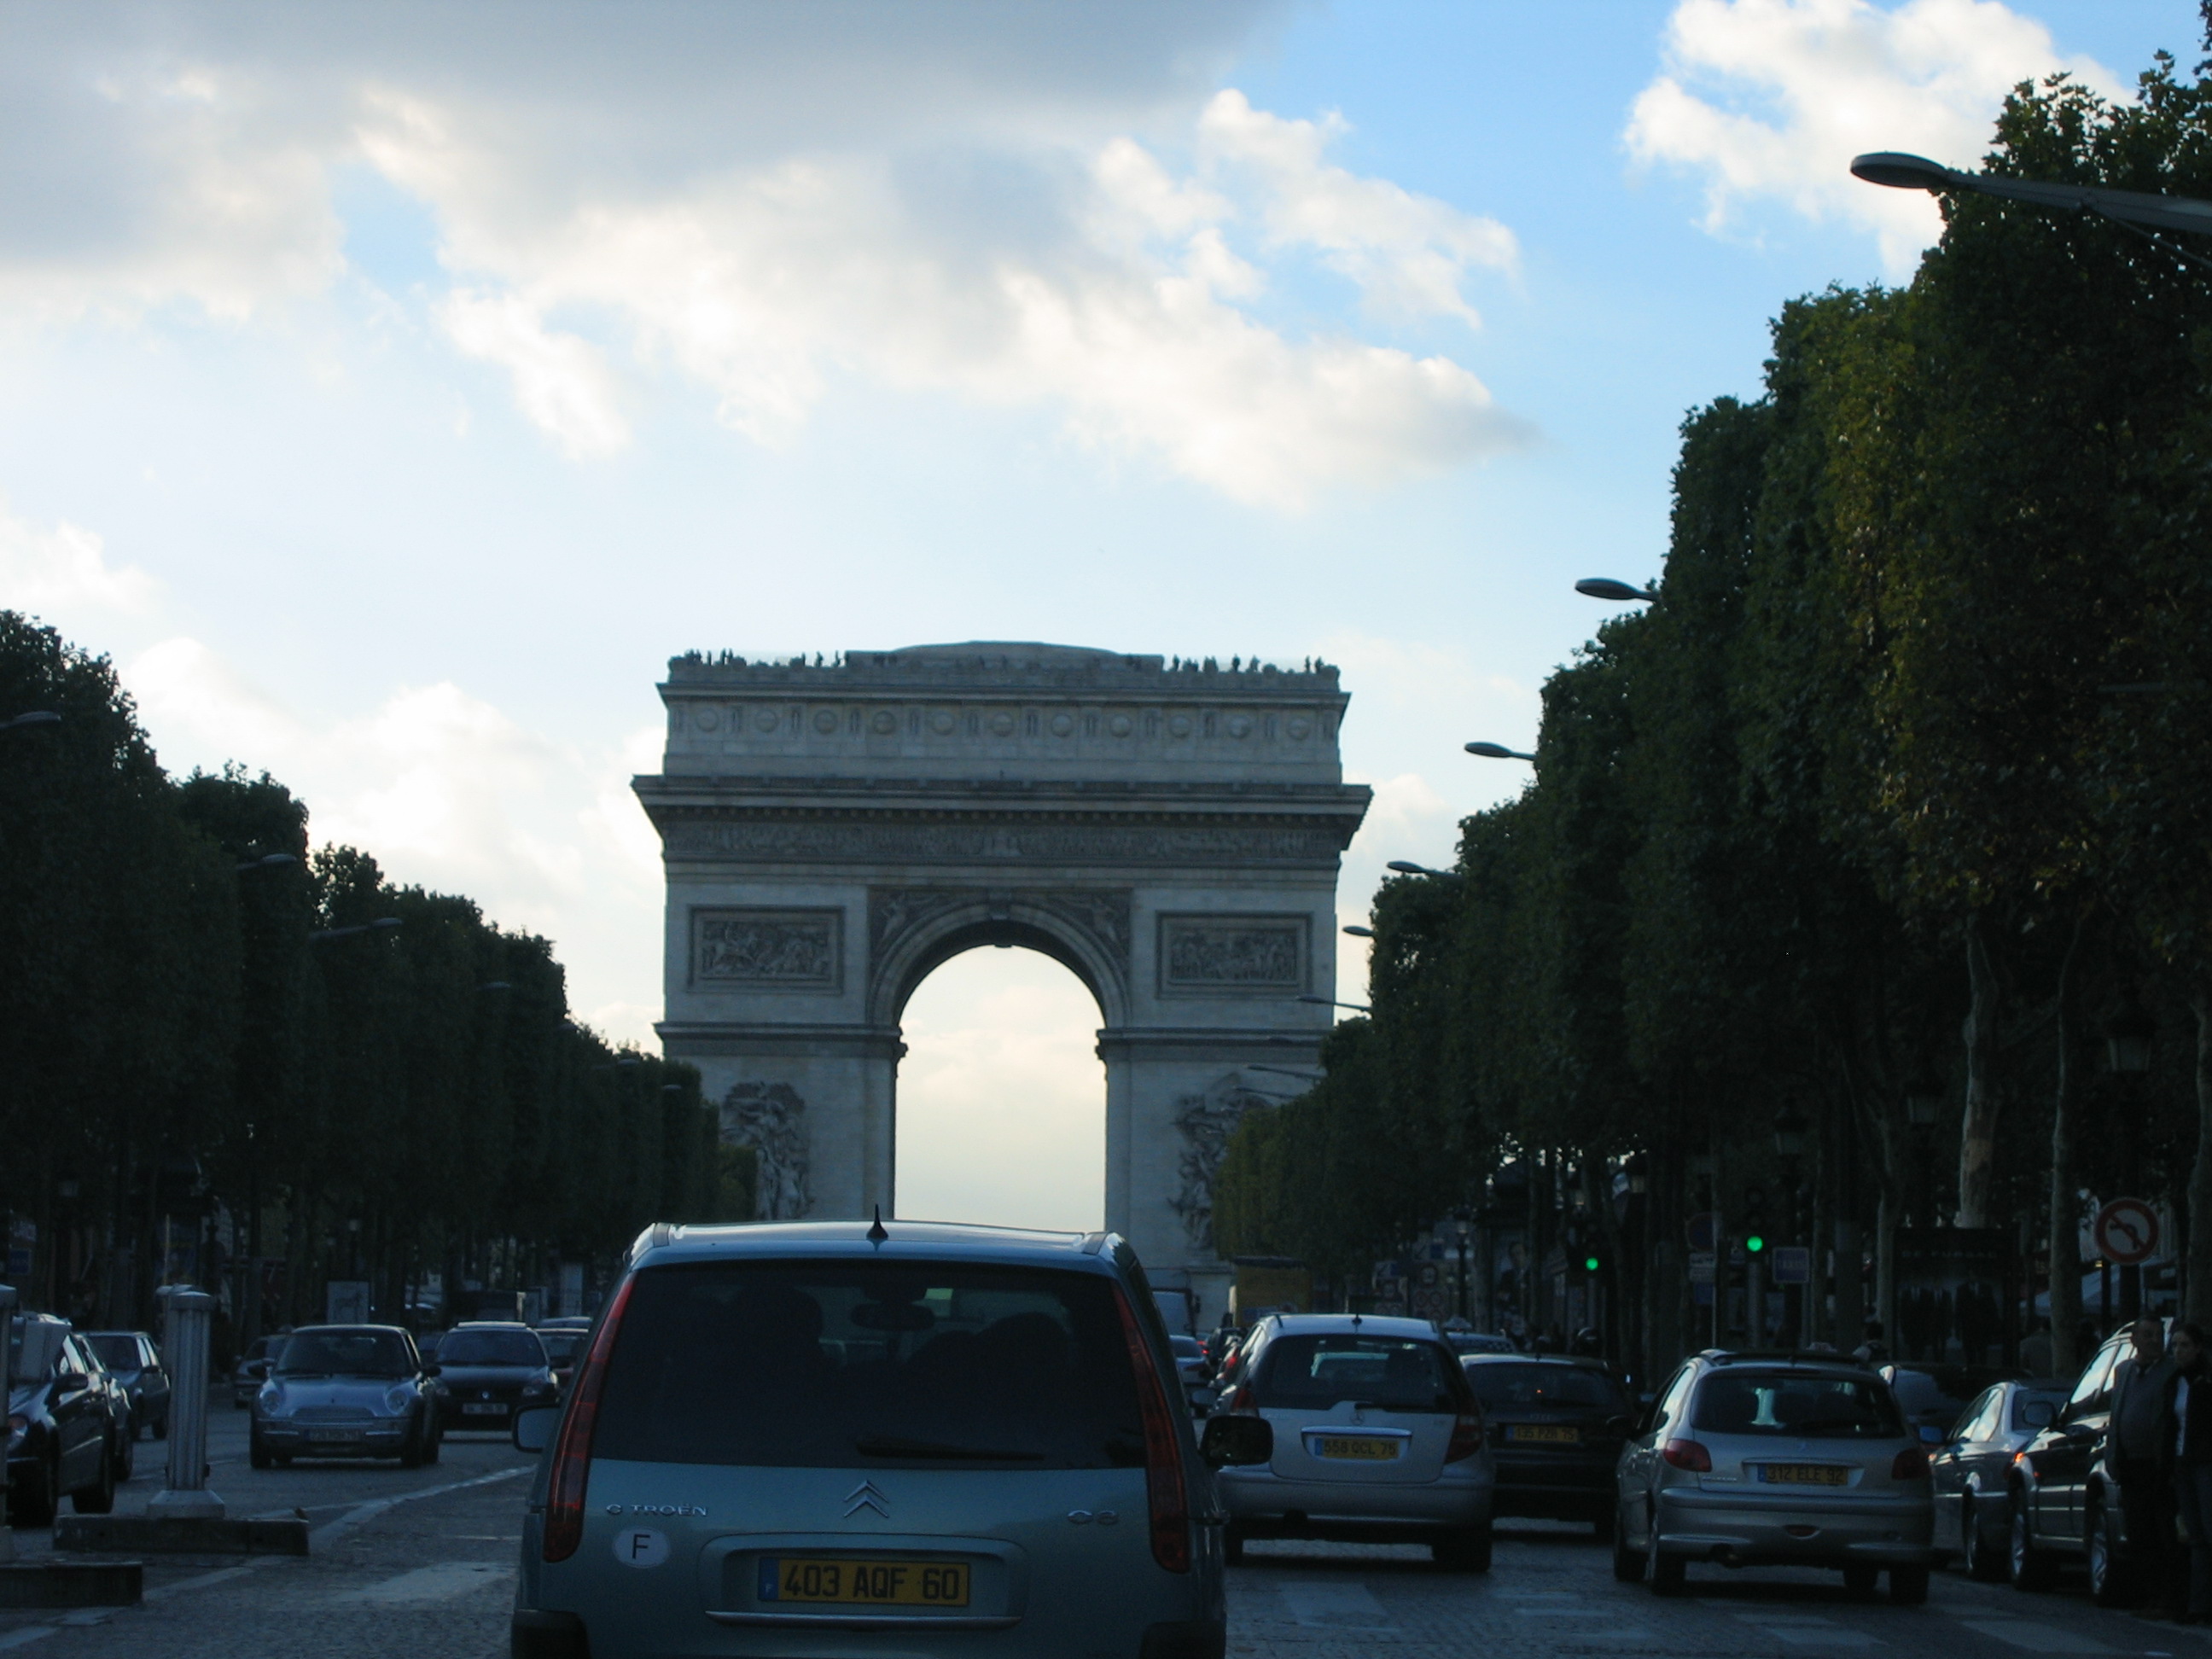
(1542, 1434)
(864, 1583)
(1358, 1448)
(1803, 1475)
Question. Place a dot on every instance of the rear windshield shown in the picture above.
(345, 1353)
(117, 1353)
(491, 1348)
(1543, 1388)
(1784, 1403)
(1313, 1373)
(844, 1364)
(561, 1345)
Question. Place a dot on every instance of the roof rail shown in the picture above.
(1782, 1357)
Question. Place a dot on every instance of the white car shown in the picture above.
(1378, 1439)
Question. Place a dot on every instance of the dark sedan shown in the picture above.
(1557, 1426)
(132, 1360)
(67, 1422)
(1973, 1469)
(488, 1370)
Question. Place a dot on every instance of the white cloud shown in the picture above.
(1771, 98)
(64, 571)
(758, 200)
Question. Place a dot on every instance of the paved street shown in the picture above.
(420, 1562)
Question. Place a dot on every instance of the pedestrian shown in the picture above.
(2189, 1461)
(1872, 1351)
(2035, 1350)
(2147, 1498)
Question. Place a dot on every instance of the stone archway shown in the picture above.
(832, 833)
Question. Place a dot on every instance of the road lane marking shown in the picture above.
(353, 1517)
(1336, 1607)
(423, 1586)
(2037, 1638)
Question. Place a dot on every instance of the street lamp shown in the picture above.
(1286, 1071)
(1331, 1002)
(1405, 869)
(2128, 1039)
(1901, 172)
(1497, 751)
(1924, 1099)
(35, 717)
(1789, 1134)
(1358, 931)
(1604, 587)
(381, 925)
(268, 861)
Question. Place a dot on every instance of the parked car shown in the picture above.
(564, 1346)
(68, 1424)
(1464, 1343)
(488, 1369)
(1767, 1460)
(1376, 1437)
(252, 1369)
(2064, 1497)
(132, 1360)
(1556, 1427)
(346, 1391)
(1933, 1396)
(929, 1437)
(1972, 1471)
(1190, 1362)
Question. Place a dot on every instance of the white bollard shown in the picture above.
(185, 1316)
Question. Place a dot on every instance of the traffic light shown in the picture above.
(1754, 1221)
(1591, 1264)
(1753, 1242)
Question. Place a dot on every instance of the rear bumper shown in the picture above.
(1256, 1499)
(1740, 1529)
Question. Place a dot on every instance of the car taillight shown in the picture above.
(1688, 1454)
(572, 1451)
(1466, 1437)
(1912, 1464)
(1164, 1486)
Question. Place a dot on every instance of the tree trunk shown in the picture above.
(1978, 1129)
(1885, 1264)
(2199, 1287)
(2065, 1186)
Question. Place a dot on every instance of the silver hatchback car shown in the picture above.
(828, 1438)
(1377, 1436)
(1775, 1459)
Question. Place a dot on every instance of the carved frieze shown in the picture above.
(770, 841)
(1233, 956)
(771, 1119)
(761, 949)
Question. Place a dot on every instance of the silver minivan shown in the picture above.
(913, 1439)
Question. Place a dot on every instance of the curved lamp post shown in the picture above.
(1404, 868)
(2139, 209)
(1331, 1002)
(1498, 751)
(1604, 587)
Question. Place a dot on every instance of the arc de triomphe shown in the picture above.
(833, 833)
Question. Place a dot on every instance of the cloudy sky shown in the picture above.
(392, 389)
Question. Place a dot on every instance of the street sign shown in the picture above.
(2127, 1231)
(1790, 1264)
(1704, 1226)
(1701, 1267)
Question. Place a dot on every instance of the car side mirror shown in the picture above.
(257, 1368)
(533, 1427)
(2037, 1413)
(1930, 1435)
(1232, 1442)
(432, 1367)
(70, 1382)
(2083, 1432)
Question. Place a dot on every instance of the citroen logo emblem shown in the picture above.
(866, 1497)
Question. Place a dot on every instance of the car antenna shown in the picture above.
(876, 1233)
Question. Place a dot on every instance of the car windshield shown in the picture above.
(1791, 1403)
(1514, 1385)
(1941, 1392)
(1314, 1373)
(117, 1353)
(802, 1364)
(345, 1353)
(491, 1348)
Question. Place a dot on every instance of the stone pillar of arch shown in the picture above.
(832, 832)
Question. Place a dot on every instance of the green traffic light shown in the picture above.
(1754, 1244)
(1590, 1265)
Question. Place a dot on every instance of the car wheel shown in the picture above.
(1665, 1573)
(99, 1498)
(1232, 1545)
(33, 1497)
(2108, 1571)
(1859, 1578)
(1980, 1559)
(2027, 1565)
(1467, 1550)
(1908, 1586)
(1628, 1564)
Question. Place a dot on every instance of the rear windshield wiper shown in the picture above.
(884, 1445)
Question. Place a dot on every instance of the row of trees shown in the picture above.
(211, 1035)
(1900, 791)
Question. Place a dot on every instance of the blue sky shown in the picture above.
(391, 391)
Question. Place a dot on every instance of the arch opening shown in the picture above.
(1000, 1100)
